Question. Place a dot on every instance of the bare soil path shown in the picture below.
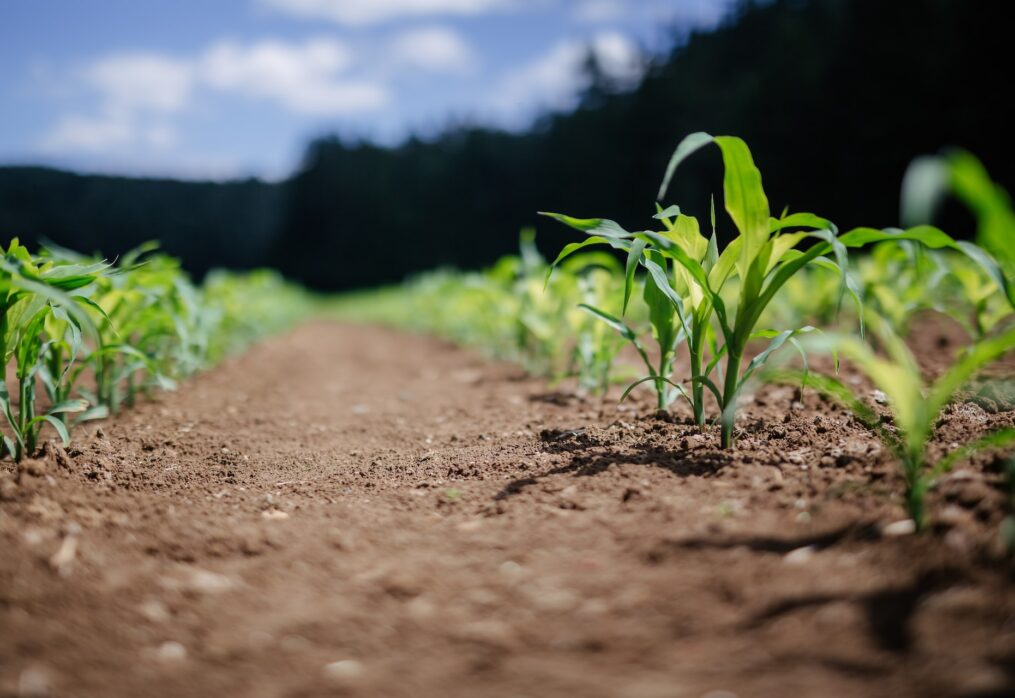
(353, 511)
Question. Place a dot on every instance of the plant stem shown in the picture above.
(26, 397)
(729, 395)
(697, 390)
(661, 384)
(916, 489)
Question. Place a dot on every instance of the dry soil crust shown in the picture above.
(349, 510)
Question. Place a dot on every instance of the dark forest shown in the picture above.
(835, 98)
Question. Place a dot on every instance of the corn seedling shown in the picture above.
(134, 326)
(915, 405)
(33, 294)
(596, 345)
(686, 269)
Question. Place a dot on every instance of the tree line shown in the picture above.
(835, 97)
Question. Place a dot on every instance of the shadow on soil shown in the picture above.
(681, 462)
(888, 611)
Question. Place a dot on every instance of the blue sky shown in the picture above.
(228, 88)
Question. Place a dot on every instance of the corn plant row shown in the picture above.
(716, 303)
(780, 279)
(81, 337)
(511, 312)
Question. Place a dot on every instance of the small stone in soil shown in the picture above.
(155, 611)
(904, 527)
(343, 670)
(172, 652)
(800, 556)
(34, 681)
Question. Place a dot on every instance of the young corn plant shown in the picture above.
(664, 328)
(915, 404)
(596, 345)
(688, 277)
(927, 181)
(34, 294)
(762, 258)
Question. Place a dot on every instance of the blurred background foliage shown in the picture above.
(836, 97)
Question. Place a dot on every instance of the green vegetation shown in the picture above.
(94, 334)
(915, 404)
(719, 299)
(511, 311)
(778, 279)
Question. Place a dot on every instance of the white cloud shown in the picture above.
(304, 78)
(365, 12)
(136, 93)
(598, 11)
(141, 81)
(434, 49)
(107, 131)
(554, 79)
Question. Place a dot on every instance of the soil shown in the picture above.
(347, 510)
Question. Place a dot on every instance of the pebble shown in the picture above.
(800, 556)
(155, 611)
(62, 561)
(905, 527)
(511, 569)
(207, 582)
(171, 652)
(275, 515)
(343, 670)
(34, 681)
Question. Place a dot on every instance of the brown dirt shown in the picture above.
(353, 511)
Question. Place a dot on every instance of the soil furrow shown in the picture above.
(347, 510)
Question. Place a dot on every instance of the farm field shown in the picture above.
(348, 510)
(525, 480)
(500, 349)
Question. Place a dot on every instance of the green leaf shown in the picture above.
(662, 302)
(655, 379)
(799, 220)
(990, 202)
(935, 239)
(996, 439)
(614, 322)
(60, 427)
(718, 275)
(898, 379)
(573, 247)
(745, 198)
(667, 213)
(77, 405)
(975, 358)
(92, 413)
(712, 387)
(591, 226)
(10, 446)
(686, 147)
(923, 186)
(777, 341)
(633, 258)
